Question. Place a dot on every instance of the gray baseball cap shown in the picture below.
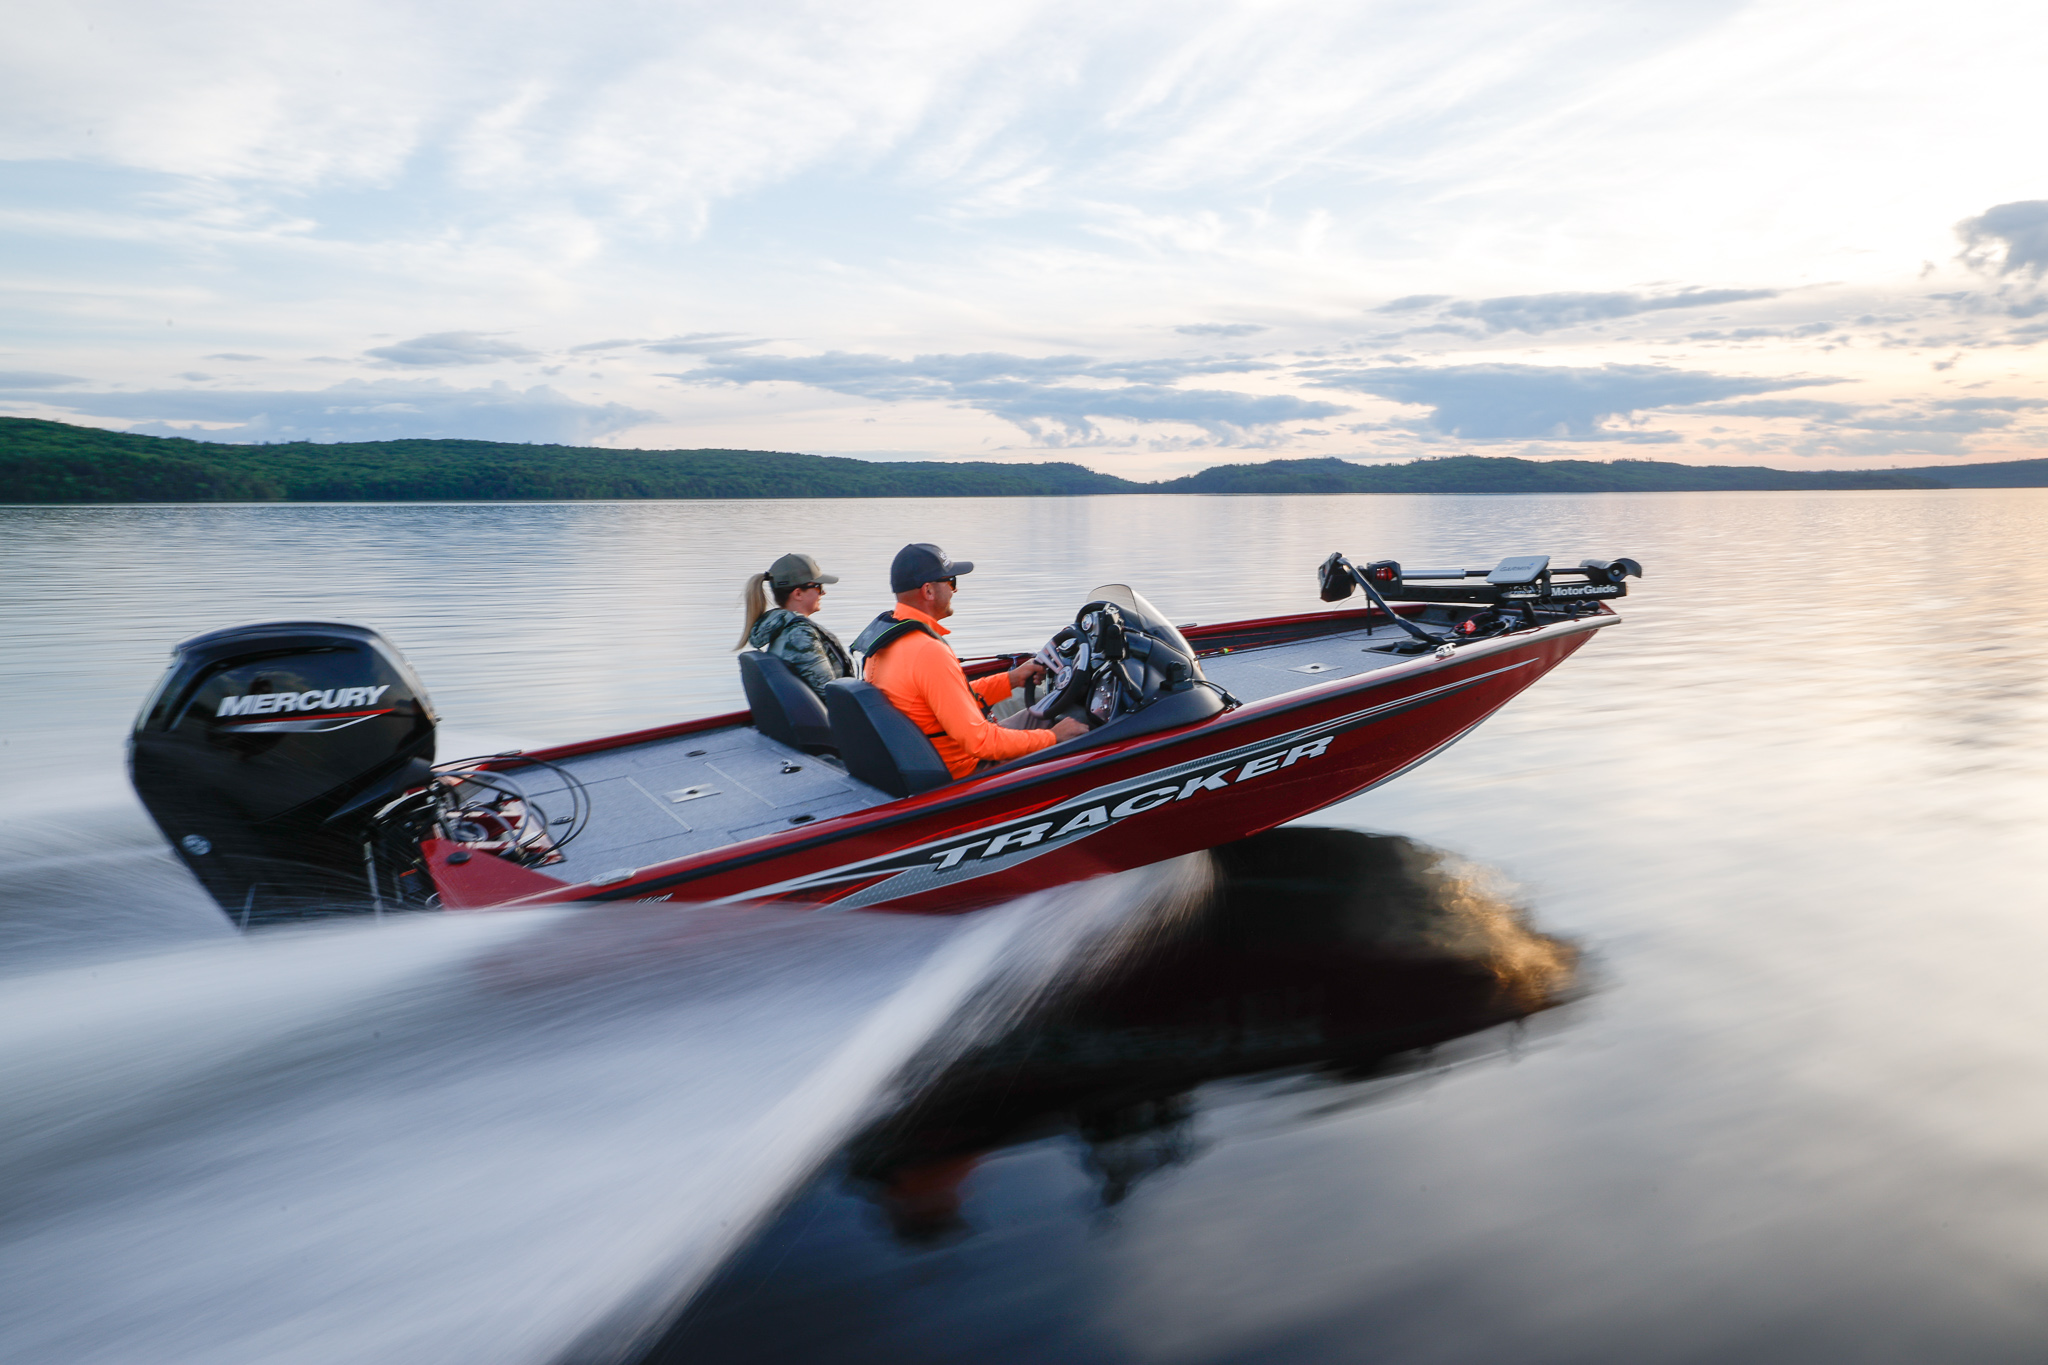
(791, 570)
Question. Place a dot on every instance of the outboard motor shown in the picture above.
(265, 753)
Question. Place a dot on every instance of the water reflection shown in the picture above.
(1342, 955)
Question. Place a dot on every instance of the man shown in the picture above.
(910, 663)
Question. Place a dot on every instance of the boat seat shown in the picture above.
(878, 743)
(785, 709)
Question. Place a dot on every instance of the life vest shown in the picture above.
(883, 631)
(829, 641)
(886, 630)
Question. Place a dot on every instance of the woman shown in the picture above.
(812, 652)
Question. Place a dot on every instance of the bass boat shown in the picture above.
(291, 764)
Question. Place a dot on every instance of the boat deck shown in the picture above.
(672, 798)
(677, 797)
(1269, 670)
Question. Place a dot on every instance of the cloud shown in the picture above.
(1516, 402)
(196, 376)
(1859, 442)
(1172, 369)
(1537, 313)
(1056, 400)
(1809, 329)
(1810, 408)
(1454, 329)
(606, 345)
(930, 377)
(1979, 307)
(35, 379)
(361, 410)
(1061, 414)
(2011, 239)
(1221, 329)
(1413, 303)
(1942, 427)
(705, 343)
(1993, 404)
(1959, 423)
(232, 355)
(437, 349)
(1960, 415)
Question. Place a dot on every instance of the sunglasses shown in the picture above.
(806, 587)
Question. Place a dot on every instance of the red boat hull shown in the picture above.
(1065, 819)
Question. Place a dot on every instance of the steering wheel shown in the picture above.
(1073, 674)
(1092, 684)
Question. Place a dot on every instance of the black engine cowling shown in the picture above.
(265, 752)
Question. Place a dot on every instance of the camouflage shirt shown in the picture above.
(812, 652)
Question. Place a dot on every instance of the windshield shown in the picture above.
(1142, 614)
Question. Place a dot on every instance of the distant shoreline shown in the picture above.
(44, 463)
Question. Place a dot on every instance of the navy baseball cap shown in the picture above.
(917, 565)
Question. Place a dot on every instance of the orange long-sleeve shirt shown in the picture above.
(922, 678)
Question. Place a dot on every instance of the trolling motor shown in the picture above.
(1339, 576)
(1513, 590)
(1520, 578)
(265, 754)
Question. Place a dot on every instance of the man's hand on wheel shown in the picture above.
(1030, 671)
(1066, 727)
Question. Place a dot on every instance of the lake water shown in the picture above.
(1769, 851)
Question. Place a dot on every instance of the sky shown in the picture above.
(1147, 238)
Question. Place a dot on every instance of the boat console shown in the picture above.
(1123, 666)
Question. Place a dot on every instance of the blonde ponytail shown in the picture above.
(754, 598)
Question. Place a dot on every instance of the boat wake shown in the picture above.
(91, 878)
(525, 1136)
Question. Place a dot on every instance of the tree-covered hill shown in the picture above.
(55, 462)
(1503, 474)
(2006, 474)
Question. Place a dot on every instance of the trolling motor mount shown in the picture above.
(1518, 579)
